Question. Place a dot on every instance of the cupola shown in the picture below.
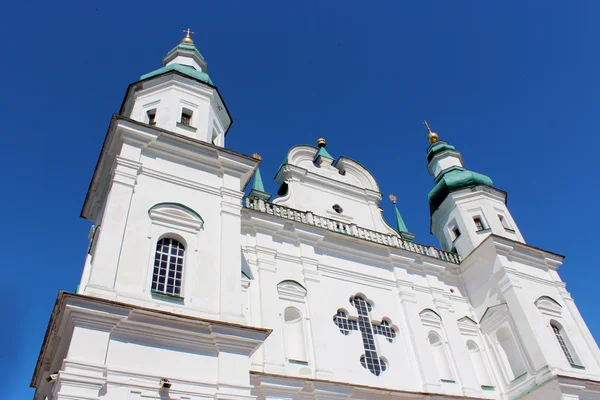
(464, 205)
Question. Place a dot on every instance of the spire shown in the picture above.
(400, 225)
(186, 53)
(321, 143)
(445, 164)
(432, 137)
(185, 59)
(188, 39)
(258, 188)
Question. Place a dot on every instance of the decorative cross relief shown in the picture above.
(370, 360)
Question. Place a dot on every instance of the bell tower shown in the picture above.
(465, 206)
(180, 97)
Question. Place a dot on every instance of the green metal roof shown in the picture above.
(400, 225)
(184, 69)
(452, 181)
(437, 148)
(323, 153)
(258, 188)
(185, 47)
(258, 182)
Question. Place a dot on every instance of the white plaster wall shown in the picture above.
(460, 207)
(170, 94)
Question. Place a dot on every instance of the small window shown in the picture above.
(478, 223)
(151, 115)
(168, 267)
(455, 232)
(558, 332)
(337, 208)
(505, 224)
(186, 117)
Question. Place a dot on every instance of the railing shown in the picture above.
(307, 217)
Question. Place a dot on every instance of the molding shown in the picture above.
(291, 290)
(547, 305)
(146, 325)
(327, 388)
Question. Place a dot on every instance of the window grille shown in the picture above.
(563, 344)
(478, 223)
(168, 267)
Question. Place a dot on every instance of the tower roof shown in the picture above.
(453, 176)
(186, 59)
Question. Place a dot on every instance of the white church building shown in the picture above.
(193, 289)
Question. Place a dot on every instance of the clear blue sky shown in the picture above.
(513, 85)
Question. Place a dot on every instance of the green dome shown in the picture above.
(452, 181)
(437, 148)
(184, 69)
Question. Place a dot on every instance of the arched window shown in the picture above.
(481, 370)
(168, 267)
(510, 353)
(293, 332)
(439, 356)
(564, 343)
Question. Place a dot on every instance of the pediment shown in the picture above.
(496, 313)
(548, 305)
(467, 326)
(344, 170)
(430, 318)
(176, 214)
(291, 290)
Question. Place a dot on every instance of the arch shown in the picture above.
(564, 342)
(291, 290)
(177, 214)
(294, 335)
(438, 352)
(510, 353)
(167, 275)
(429, 312)
(431, 318)
(548, 305)
(476, 356)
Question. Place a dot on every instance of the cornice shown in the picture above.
(518, 252)
(152, 138)
(343, 388)
(147, 325)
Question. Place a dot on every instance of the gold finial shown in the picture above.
(321, 142)
(257, 156)
(432, 137)
(187, 39)
(393, 198)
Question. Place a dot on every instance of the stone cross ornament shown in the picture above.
(370, 360)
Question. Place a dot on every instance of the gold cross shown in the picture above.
(188, 32)
(427, 125)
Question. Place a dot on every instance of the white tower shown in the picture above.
(159, 303)
(465, 206)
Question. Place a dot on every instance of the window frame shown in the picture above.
(179, 266)
(179, 222)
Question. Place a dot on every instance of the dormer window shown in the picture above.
(186, 117)
(151, 116)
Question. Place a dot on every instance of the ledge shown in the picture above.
(447, 381)
(297, 362)
(483, 231)
(577, 366)
(168, 296)
(488, 387)
(186, 127)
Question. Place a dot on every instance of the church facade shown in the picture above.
(192, 289)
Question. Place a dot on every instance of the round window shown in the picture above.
(337, 208)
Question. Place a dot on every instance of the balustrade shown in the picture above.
(347, 229)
